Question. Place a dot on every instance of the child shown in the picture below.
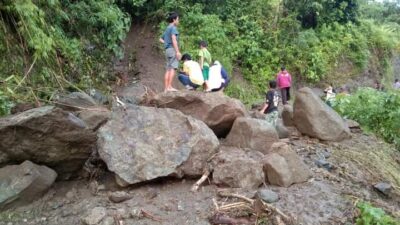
(284, 80)
(271, 105)
(205, 62)
(170, 39)
(191, 77)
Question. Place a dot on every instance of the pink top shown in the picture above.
(284, 79)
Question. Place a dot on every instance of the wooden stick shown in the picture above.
(148, 215)
(224, 194)
(196, 186)
(215, 204)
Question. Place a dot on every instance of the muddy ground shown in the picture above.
(327, 198)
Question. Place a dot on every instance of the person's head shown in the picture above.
(173, 17)
(272, 84)
(203, 44)
(186, 57)
(283, 68)
(396, 80)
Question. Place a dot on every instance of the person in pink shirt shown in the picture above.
(284, 81)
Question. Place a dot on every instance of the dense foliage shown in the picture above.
(51, 45)
(375, 110)
(373, 216)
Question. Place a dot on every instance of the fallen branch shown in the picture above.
(203, 178)
(148, 215)
(224, 194)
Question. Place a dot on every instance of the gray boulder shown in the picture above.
(143, 143)
(283, 132)
(24, 183)
(287, 115)
(215, 109)
(94, 117)
(284, 167)
(252, 133)
(135, 94)
(47, 136)
(236, 168)
(75, 101)
(314, 118)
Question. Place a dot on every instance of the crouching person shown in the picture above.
(218, 77)
(191, 77)
(270, 107)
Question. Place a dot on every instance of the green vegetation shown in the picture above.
(52, 45)
(375, 110)
(373, 216)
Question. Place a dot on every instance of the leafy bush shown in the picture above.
(375, 110)
(373, 216)
(5, 104)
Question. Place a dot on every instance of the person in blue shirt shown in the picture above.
(170, 39)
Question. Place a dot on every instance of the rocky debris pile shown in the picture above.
(214, 109)
(314, 118)
(161, 143)
(48, 136)
(24, 183)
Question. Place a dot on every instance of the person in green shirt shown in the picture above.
(205, 62)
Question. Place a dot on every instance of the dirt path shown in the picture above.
(142, 49)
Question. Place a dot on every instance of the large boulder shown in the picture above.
(314, 118)
(283, 167)
(75, 101)
(135, 94)
(215, 109)
(144, 143)
(282, 130)
(252, 133)
(237, 168)
(48, 136)
(94, 117)
(21, 184)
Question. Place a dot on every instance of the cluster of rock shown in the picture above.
(169, 135)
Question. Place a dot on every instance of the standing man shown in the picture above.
(284, 80)
(170, 39)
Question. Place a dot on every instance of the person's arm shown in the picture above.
(176, 47)
(201, 61)
(290, 79)
(161, 40)
(264, 108)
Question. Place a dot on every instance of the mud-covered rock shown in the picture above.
(287, 115)
(95, 117)
(281, 129)
(48, 136)
(21, 184)
(75, 101)
(236, 168)
(215, 109)
(316, 119)
(252, 133)
(284, 167)
(145, 143)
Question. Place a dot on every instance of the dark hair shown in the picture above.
(186, 56)
(203, 44)
(396, 80)
(172, 16)
(272, 84)
(283, 68)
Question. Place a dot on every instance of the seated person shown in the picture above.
(191, 77)
(218, 77)
(271, 104)
(330, 95)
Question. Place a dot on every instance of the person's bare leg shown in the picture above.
(166, 79)
(171, 78)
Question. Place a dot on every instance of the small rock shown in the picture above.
(383, 188)
(95, 216)
(326, 153)
(108, 221)
(71, 194)
(323, 163)
(268, 196)
(136, 213)
(180, 207)
(9, 223)
(119, 196)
